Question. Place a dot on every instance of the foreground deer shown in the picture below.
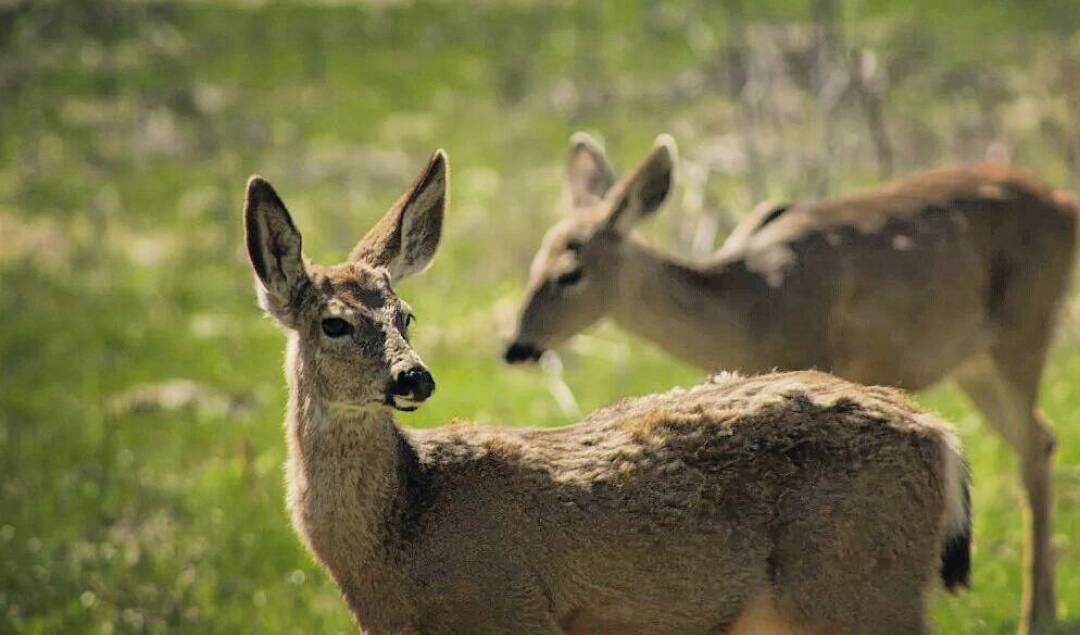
(957, 271)
(788, 501)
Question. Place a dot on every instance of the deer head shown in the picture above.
(348, 329)
(572, 280)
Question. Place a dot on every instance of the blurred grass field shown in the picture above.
(141, 393)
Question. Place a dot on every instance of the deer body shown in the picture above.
(669, 513)
(790, 501)
(898, 286)
(956, 273)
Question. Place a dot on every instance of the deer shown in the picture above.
(790, 502)
(955, 272)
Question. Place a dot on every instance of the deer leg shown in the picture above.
(1037, 468)
(1010, 411)
(1020, 361)
(762, 616)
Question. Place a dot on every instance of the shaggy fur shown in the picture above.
(667, 513)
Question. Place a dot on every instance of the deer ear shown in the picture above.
(273, 244)
(642, 191)
(588, 174)
(405, 239)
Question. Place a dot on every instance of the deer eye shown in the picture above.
(569, 278)
(336, 327)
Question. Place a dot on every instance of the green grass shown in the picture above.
(126, 133)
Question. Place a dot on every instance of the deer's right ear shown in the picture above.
(642, 191)
(273, 244)
(588, 174)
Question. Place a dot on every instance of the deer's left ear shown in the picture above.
(642, 191)
(405, 239)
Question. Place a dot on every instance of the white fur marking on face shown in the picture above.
(337, 308)
(540, 260)
(565, 262)
(405, 402)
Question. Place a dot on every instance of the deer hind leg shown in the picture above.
(762, 616)
(1005, 395)
(858, 556)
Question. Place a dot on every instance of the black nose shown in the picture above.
(519, 352)
(416, 383)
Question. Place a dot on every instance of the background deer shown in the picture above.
(791, 500)
(955, 272)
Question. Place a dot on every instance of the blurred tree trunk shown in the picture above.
(739, 79)
(829, 85)
(869, 83)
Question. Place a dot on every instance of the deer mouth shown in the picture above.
(518, 352)
(402, 403)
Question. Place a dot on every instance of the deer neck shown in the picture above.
(344, 480)
(702, 315)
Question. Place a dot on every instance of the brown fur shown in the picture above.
(784, 499)
(957, 271)
(667, 513)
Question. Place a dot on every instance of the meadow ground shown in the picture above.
(141, 394)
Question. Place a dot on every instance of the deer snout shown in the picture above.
(414, 383)
(521, 352)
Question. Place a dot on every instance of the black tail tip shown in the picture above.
(956, 561)
(956, 552)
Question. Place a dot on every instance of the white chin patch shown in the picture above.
(405, 403)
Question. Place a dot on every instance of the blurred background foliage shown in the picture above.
(141, 394)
